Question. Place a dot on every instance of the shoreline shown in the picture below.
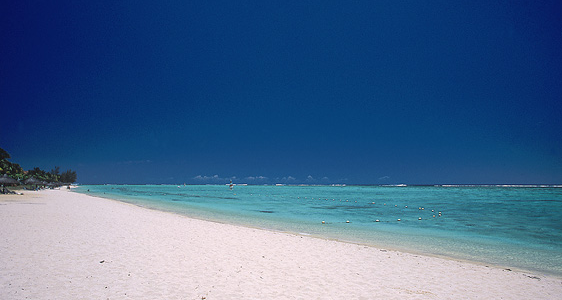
(435, 241)
(66, 243)
(341, 240)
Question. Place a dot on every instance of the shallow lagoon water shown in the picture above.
(516, 227)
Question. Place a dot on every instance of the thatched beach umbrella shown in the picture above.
(33, 181)
(7, 180)
(53, 185)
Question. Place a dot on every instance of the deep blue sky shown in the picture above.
(376, 92)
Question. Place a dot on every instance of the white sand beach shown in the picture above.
(57, 244)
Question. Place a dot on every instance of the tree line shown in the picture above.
(15, 171)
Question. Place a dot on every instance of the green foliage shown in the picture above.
(4, 154)
(38, 173)
(16, 171)
(54, 175)
(68, 176)
(11, 169)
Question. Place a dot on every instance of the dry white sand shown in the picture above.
(64, 245)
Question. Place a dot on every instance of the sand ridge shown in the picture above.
(58, 244)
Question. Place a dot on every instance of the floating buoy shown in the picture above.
(434, 216)
(347, 221)
(432, 210)
(399, 220)
(377, 220)
(419, 218)
(372, 202)
(406, 206)
(324, 222)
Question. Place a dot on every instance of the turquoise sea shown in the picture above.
(518, 227)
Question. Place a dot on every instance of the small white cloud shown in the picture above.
(210, 179)
(288, 178)
(256, 178)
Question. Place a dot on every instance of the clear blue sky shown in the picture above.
(375, 92)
